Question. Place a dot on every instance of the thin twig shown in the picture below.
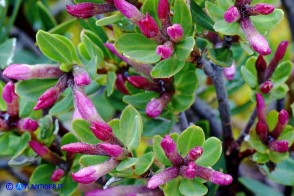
(247, 128)
(183, 121)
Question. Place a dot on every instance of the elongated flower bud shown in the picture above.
(170, 149)
(148, 26)
(11, 98)
(83, 148)
(88, 9)
(45, 153)
(229, 72)
(57, 175)
(232, 14)
(27, 72)
(141, 82)
(155, 106)
(283, 120)
(260, 66)
(27, 124)
(188, 171)
(163, 177)
(120, 84)
(266, 87)
(81, 76)
(262, 131)
(260, 8)
(213, 176)
(175, 32)
(92, 173)
(112, 150)
(256, 40)
(279, 146)
(128, 10)
(163, 12)
(3, 125)
(165, 50)
(102, 130)
(194, 154)
(260, 107)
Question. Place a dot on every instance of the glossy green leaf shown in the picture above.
(3, 106)
(42, 174)
(114, 124)
(279, 91)
(140, 100)
(225, 4)
(182, 16)
(225, 28)
(141, 50)
(158, 151)
(260, 157)
(7, 51)
(68, 186)
(84, 133)
(200, 17)
(159, 126)
(23, 143)
(192, 187)
(126, 163)
(88, 160)
(111, 77)
(109, 19)
(62, 106)
(277, 157)
(256, 143)
(272, 119)
(172, 187)
(221, 56)
(131, 127)
(282, 73)
(287, 134)
(191, 137)
(25, 107)
(144, 163)
(212, 149)
(215, 11)
(184, 48)
(167, 68)
(249, 72)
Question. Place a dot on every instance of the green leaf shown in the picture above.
(159, 126)
(167, 67)
(88, 160)
(4, 142)
(94, 39)
(144, 163)
(215, 12)
(272, 119)
(82, 129)
(225, 4)
(109, 19)
(158, 151)
(225, 28)
(25, 107)
(277, 157)
(131, 127)
(23, 143)
(282, 73)
(182, 16)
(212, 149)
(114, 124)
(42, 174)
(172, 187)
(62, 106)
(140, 100)
(111, 77)
(249, 73)
(184, 90)
(184, 48)
(33, 89)
(150, 7)
(287, 134)
(256, 143)
(221, 56)
(3, 106)
(200, 17)
(260, 157)
(192, 187)
(141, 50)
(279, 91)
(192, 136)
(68, 186)
(46, 17)
(127, 163)
(7, 51)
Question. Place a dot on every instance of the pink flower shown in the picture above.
(260, 8)
(11, 98)
(175, 32)
(128, 10)
(163, 177)
(266, 87)
(81, 76)
(169, 147)
(279, 146)
(189, 171)
(166, 50)
(27, 124)
(57, 175)
(232, 14)
(148, 26)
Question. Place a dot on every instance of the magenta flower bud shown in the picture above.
(260, 66)
(3, 125)
(188, 171)
(11, 98)
(57, 175)
(229, 72)
(83, 148)
(48, 98)
(88, 9)
(175, 32)
(102, 130)
(154, 108)
(266, 87)
(45, 153)
(27, 124)
(112, 150)
(128, 10)
(232, 14)
(27, 72)
(120, 84)
(260, 107)
(141, 82)
(213, 176)
(279, 146)
(256, 40)
(283, 120)
(262, 131)
(170, 149)
(260, 8)
(76, 114)
(81, 76)
(163, 177)
(148, 26)
(165, 50)
(163, 9)
(92, 173)
(194, 154)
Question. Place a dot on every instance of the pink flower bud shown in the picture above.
(279, 146)
(260, 8)
(27, 72)
(11, 98)
(188, 171)
(260, 66)
(3, 125)
(92, 173)
(169, 147)
(148, 26)
(256, 40)
(232, 14)
(57, 175)
(76, 114)
(48, 98)
(266, 87)
(260, 107)
(88, 9)
(194, 154)
(163, 177)
(27, 124)
(283, 120)
(163, 9)
(262, 131)
(154, 108)
(102, 130)
(128, 10)
(165, 50)
(175, 32)
(140, 82)
(213, 176)
(112, 150)
(81, 77)
(83, 148)
(120, 84)
(229, 72)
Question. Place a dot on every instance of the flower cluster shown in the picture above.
(241, 12)
(185, 167)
